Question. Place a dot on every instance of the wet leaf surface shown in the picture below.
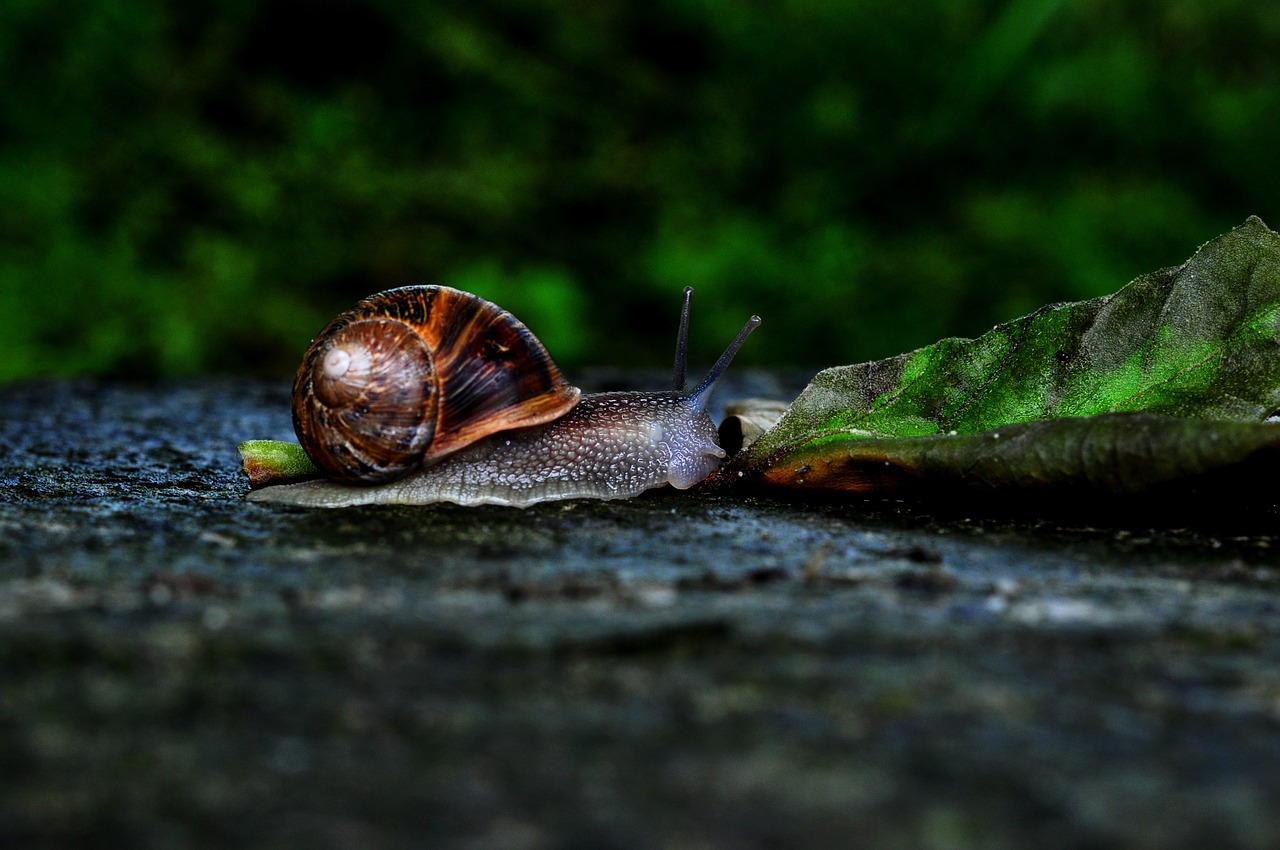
(1189, 353)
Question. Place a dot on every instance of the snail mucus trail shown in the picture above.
(481, 449)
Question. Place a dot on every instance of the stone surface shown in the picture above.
(179, 668)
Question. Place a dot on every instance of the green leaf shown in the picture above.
(1197, 342)
(269, 462)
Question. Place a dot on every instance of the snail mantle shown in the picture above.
(429, 394)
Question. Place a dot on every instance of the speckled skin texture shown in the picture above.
(610, 446)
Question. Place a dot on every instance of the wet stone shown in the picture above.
(183, 668)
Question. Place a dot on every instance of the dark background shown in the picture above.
(190, 188)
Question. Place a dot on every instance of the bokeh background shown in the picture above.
(197, 187)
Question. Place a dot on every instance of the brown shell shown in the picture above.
(409, 375)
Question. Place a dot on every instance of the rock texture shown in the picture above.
(180, 668)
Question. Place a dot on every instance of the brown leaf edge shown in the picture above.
(1118, 453)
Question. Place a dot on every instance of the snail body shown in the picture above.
(599, 446)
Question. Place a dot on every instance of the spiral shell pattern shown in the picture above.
(410, 375)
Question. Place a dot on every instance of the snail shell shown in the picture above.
(486, 374)
(410, 375)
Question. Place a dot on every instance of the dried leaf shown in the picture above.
(745, 420)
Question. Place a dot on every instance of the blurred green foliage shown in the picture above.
(199, 187)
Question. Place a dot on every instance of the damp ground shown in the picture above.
(179, 668)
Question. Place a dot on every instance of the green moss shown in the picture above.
(199, 189)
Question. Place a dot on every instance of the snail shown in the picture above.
(429, 394)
